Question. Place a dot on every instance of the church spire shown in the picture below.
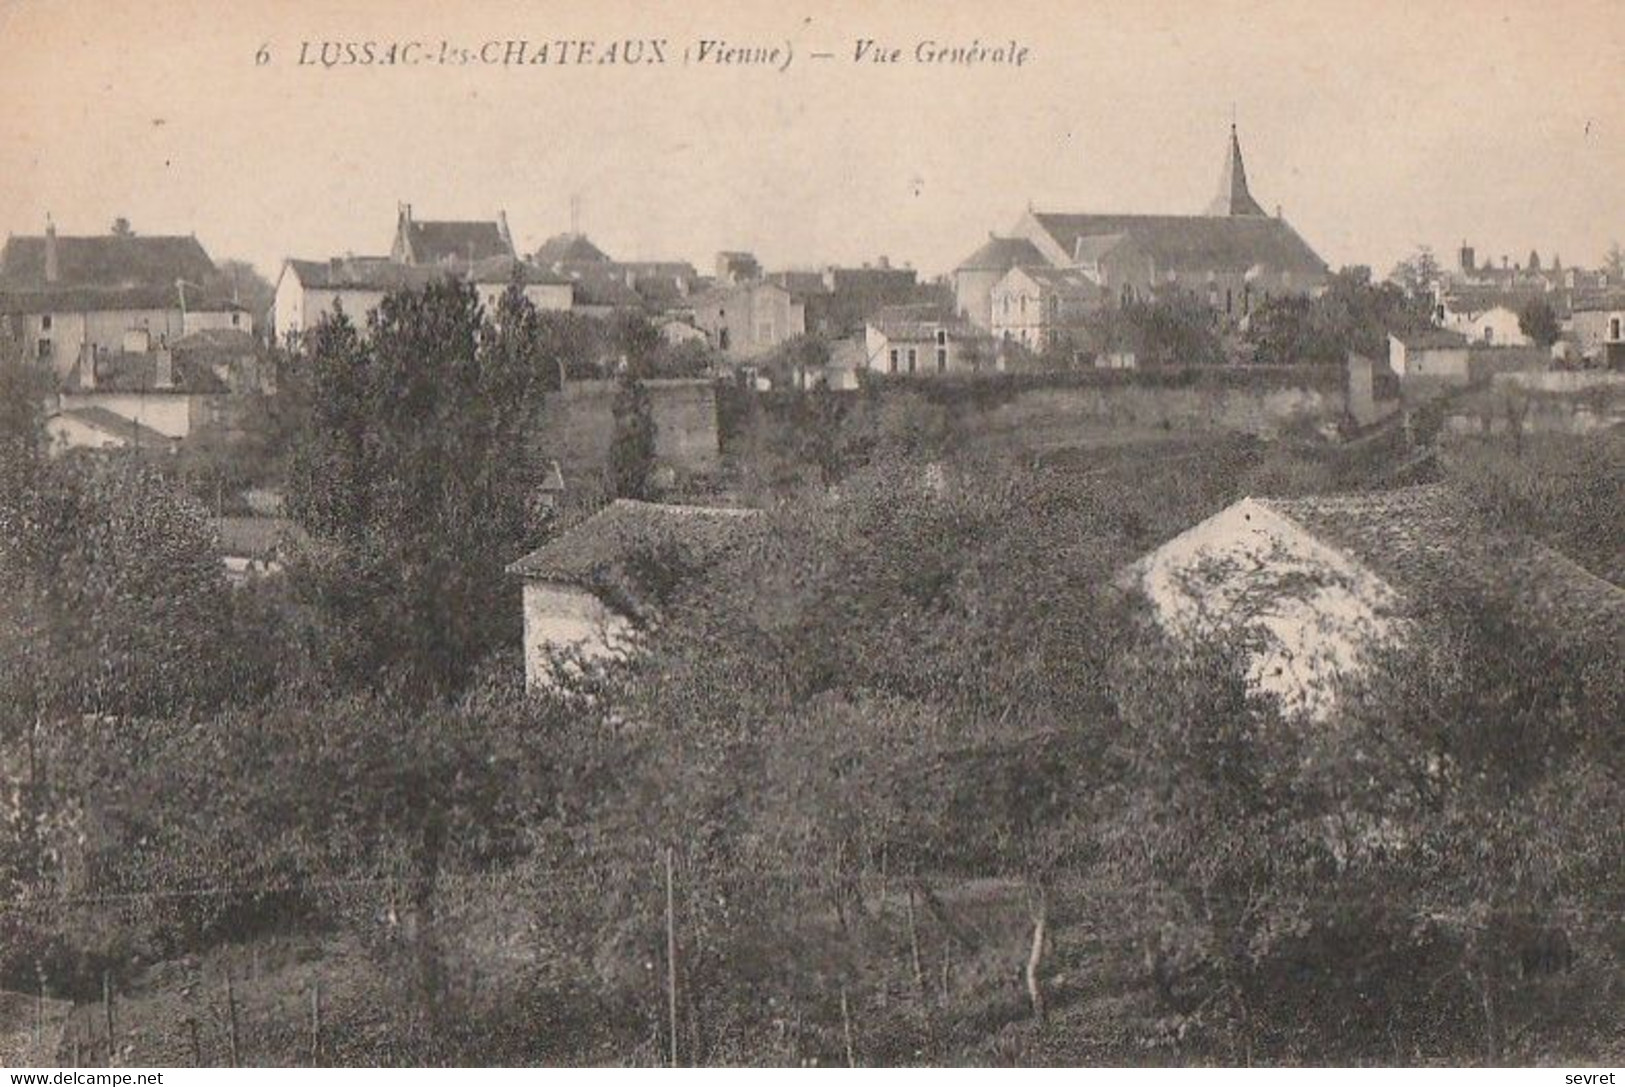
(1233, 198)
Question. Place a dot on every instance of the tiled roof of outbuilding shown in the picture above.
(626, 528)
(1430, 544)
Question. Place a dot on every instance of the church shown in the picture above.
(1232, 257)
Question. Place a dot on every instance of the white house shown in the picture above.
(1431, 355)
(923, 340)
(1329, 581)
(309, 290)
(1489, 320)
(583, 604)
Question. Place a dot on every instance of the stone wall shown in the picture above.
(578, 426)
(1044, 417)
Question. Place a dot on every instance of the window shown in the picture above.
(1489, 334)
(236, 320)
(1229, 301)
(1614, 328)
(44, 348)
(894, 355)
(913, 358)
(1024, 305)
(942, 360)
(45, 322)
(942, 337)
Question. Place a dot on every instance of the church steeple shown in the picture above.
(1233, 198)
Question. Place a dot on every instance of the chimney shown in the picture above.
(163, 369)
(52, 269)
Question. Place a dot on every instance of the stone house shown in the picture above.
(71, 299)
(747, 320)
(586, 594)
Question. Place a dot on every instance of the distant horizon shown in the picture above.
(1376, 127)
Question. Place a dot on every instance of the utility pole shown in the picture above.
(671, 956)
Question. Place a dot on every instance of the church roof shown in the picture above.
(1233, 197)
(1207, 242)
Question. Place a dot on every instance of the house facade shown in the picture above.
(308, 291)
(1489, 320)
(1598, 329)
(1436, 355)
(1037, 306)
(749, 319)
(924, 341)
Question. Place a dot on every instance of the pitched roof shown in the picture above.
(1002, 254)
(1068, 282)
(569, 249)
(625, 529)
(1091, 247)
(1430, 338)
(604, 289)
(434, 241)
(1233, 197)
(110, 422)
(1472, 301)
(110, 260)
(192, 371)
(918, 322)
(361, 274)
(1234, 243)
(1605, 302)
(502, 270)
(256, 537)
(1428, 543)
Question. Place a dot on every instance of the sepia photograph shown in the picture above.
(811, 535)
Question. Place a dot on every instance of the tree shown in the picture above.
(1417, 273)
(1538, 320)
(1614, 263)
(241, 281)
(636, 342)
(121, 228)
(1164, 332)
(414, 481)
(1352, 314)
(632, 449)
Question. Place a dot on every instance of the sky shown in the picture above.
(1375, 125)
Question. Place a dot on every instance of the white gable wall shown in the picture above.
(1321, 611)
